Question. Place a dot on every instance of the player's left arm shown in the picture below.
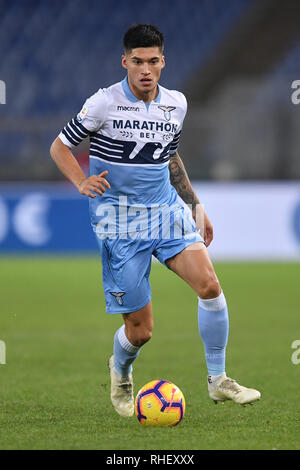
(181, 182)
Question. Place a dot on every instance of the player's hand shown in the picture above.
(203, 224)
(208, 231)
(94, 184)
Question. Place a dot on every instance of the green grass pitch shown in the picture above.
(54, 387)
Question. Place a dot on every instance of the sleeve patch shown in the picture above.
(82, 114)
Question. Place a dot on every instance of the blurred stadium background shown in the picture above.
(234, 60)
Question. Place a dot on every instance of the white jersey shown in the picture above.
(131, 139)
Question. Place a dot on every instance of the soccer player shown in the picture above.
(136, 176)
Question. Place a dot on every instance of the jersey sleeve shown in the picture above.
(175, 143)
(91, 117)
(183, 109)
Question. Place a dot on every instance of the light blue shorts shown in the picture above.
(126, 264)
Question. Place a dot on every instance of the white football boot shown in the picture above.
(121, 391)
(225, 388)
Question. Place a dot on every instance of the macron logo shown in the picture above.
(127, 108)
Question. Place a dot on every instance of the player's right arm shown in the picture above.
(90, 119)
(69, 166)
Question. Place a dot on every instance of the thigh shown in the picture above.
(194, 266)
(182, 234)
(126, 268)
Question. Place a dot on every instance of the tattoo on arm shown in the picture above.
(180, 180)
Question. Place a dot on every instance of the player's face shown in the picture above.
(144, 65)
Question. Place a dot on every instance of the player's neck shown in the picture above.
(147, 96)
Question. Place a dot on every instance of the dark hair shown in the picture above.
(143, 35)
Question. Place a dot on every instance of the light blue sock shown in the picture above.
(124, 352)
(213, 326)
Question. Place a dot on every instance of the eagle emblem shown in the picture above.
(167, 111)
(118, 296)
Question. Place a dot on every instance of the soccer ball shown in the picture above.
(159, 403)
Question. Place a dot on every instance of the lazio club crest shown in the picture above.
(118, 296)
(167, 111)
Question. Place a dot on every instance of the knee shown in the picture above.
(211, 289)
(140, 335)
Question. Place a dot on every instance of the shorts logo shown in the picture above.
(118, 296)
(167, 111)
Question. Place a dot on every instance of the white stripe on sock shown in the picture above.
(213, 304)
(124, 341)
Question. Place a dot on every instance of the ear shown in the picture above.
(124, 62)
(163, 63)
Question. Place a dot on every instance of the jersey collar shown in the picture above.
(131, 97)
